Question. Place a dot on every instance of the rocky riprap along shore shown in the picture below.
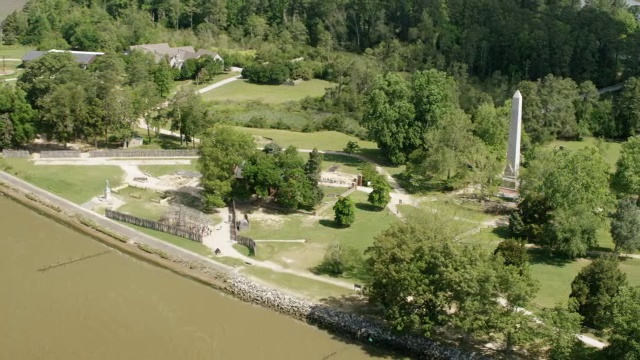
(342, 323)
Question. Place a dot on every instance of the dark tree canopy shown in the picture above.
(565, 200)
(625, 226)
(594, 290)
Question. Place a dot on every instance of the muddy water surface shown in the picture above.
(111, 306)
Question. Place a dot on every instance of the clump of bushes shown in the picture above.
(270, 73)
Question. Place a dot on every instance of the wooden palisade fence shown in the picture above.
(154, 225)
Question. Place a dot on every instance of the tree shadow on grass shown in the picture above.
(367, 207)
(168, 142)
(502, 232)
(330, 224)
(543, 256)
(343, 159)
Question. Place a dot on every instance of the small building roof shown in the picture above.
(32, 55)
(203, 52)
(81, 57)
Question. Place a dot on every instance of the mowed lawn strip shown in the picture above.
(76, 183)
(306, 287)
(242, 90)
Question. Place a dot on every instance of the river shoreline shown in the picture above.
(335, 321)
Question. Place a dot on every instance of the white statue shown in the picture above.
(107, 192)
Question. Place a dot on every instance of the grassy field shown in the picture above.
(159, 170)
(324, 140)
(611, 149)
(555, 275)
(12, 51)
(345, 164)
(75, 183)
(309, 288)
(242, 90)
(142, 207)
(320, 233)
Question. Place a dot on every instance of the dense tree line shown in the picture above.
(57, 98)
(519, 40)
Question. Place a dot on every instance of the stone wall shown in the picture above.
(15, 154)
(60, 154)
(343, 323)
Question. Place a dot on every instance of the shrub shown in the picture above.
(281, 125)
(334, 123)
(257, 122)
(345, 212)
(273, 74)
(339, 260)
(513, 252)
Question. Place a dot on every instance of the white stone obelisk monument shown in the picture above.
(513, 151)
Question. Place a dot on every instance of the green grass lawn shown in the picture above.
(341, 163)
(242, 90)
(555, 275)
(309, 288)
(73, 182)
(320, 233)
(12, 51)
(142, 207)
(187, 244)
(611, 149)
(159, 170)
(324, 140)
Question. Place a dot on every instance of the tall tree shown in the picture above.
(63, 110)
(17, 118)
(313, 167)
(626, 179)
(416, 267)
(625, 226)
(594, 290)
(447, 150)
(549, 108)
(163, 77)
(41, 75)
(628, 108)
(221, 150)
(565, 200)
(345, 212)
(379, 196)
(398, 113)
(624, 337)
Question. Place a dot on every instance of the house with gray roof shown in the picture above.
(83, 58)
(175, 55)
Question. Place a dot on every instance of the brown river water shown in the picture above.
(112, 306)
